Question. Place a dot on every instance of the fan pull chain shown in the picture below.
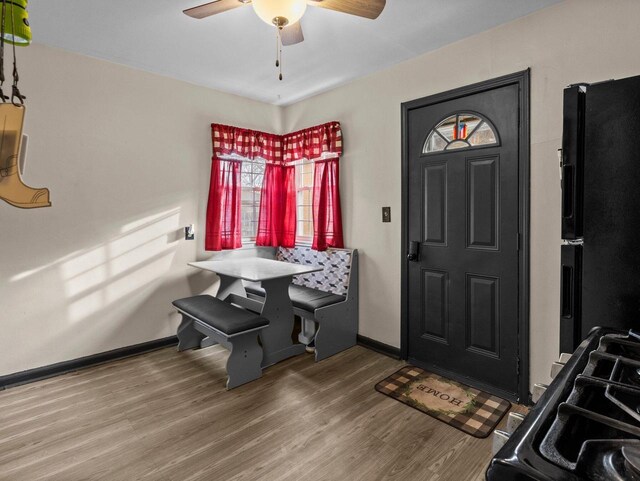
(279, 50)
(280, 76)
(277, 47)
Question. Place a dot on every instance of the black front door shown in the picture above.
(462, 222)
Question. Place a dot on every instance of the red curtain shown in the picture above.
(271, 206)
(289, 217)
(277, 219)
(314, 144)
(327, 215)
(223, 208)
(223, 229)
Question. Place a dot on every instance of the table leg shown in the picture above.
(276, 339)
(230, 285)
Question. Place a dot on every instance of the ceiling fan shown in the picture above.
(285, 14)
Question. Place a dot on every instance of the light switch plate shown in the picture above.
(189, 232)
(386, 214)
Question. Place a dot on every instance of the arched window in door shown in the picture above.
(460, 131)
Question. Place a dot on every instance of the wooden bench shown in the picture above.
(326, 301)
(222, 323)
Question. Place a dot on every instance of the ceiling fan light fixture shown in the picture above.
(280, 12)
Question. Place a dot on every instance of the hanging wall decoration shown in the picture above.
(16, 31)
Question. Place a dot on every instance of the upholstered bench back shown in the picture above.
(336, 264)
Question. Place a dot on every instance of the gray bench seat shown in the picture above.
(325, 300)
(302, 297)
(236, 329)
(218, 314)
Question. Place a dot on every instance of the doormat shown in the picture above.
(468, 409)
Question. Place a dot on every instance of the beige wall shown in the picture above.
(578, 40)
(126, 155)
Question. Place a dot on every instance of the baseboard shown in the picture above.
(380, 347)
(39, 373)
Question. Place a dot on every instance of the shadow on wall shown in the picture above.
(112, 294)
(95, 278)
(124, 285)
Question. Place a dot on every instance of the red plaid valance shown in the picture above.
(312, 143)
(247, 143)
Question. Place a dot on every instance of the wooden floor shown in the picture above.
(166, 416)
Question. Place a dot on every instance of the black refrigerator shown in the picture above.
(600, 172)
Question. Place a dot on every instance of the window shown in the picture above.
(237, 191)
(460, 131)
(304, 201)
(251, 181)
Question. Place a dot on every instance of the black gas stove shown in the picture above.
(586, 426)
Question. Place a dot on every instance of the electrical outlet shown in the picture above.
(386, 214)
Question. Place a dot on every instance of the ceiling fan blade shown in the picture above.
(292, 34)
(362, 8)
(211, 8)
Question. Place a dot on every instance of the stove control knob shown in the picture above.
(538, 391)
(513, 421)
(564, 358)
(499, 440)
(556, 367)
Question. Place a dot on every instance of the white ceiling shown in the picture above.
(235, 51)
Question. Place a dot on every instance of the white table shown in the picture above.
(275, 277)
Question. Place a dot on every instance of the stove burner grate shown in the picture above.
(598, 426)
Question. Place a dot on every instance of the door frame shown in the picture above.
(522, 79)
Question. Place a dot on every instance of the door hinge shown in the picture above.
(518, 365)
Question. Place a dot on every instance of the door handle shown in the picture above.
(412, 254)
